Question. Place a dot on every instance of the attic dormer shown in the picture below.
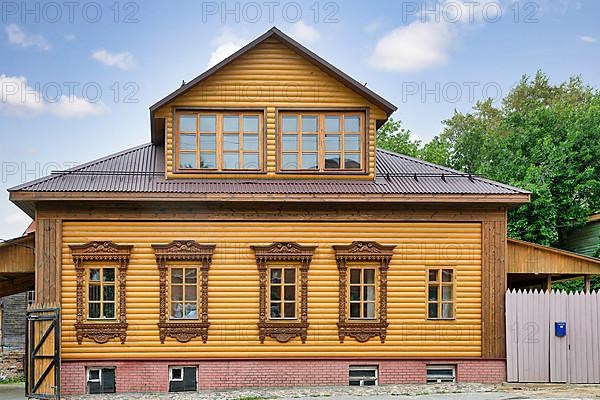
(273, 109)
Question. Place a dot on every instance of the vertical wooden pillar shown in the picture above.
(549, 283)
(48, 260)
(587, 283)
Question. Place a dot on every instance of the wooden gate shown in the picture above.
(535, 353)
(42, 353)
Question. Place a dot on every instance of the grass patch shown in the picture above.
(18, 379)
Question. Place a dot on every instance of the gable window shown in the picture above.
(184, 293)
(362, 268)
(319, 141)
(440, 293)
(219, 141)
(100, 380)
(101, 293)
(283, 292)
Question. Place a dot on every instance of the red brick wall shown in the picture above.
(152, 376)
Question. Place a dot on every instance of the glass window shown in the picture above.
(332, 124)
(187, 123)
(101, 293)
(184, 293)
(363, 294)
(251, 123)
(440, 294)
(231, 123)
(282, 289)
(290, 123)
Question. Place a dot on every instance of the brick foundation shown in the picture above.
(152, 376)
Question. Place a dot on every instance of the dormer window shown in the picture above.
(219, 141)
(322, 142)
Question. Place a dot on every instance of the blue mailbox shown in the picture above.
(560, 329)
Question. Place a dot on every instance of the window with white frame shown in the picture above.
(183, 379)
(365, 375)
(441, 373)
(100, 380)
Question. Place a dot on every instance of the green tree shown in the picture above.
(393, 137)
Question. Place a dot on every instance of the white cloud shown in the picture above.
(373, 25)
(303, 32)
(226, 44)
(588, 39)
(123, 60)
(17, 36)
(20, 99)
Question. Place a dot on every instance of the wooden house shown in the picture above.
(261, 239)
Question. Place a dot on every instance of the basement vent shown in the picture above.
(441, 373)
(100, 380)
(363, 375)
(182, 379)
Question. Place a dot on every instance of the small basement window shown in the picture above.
(182, 379)
(441, 373)
(363, 375)
(100, 380)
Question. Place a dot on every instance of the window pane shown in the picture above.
(433, 293)
(276, 275)
(310, 142)
(94, 310)
(95, 275)
(332, 142)
(208, 160)
(187, 123)
(309, 161)
(177, 373)
(177, 275)
(447, 293)
(109, 274)
(190, 293)
(94, 374)
(208, 142)
(251, 161)
(251, 123)
(369, 293)
(208, 123)
(433, 273)
(447, 310)
(352, 124)
(289, 142)
(355, 276)
(447, 275)
(433, 310)
(231, 142)
(290, 293)
(251, 142)
(354, 293)
(275, 293)
(231, 123)
(187, 160)
(369, 276)
(352, 142)
(354, 310)
(176, 310)
(369, 310)
(289, 161)
(190, 275)
(275, 310)
(332, 160)
(187, 142)
(352, 161)
(109, 293)
(290, 310)
(191, 311)
(290, 123)
(94, 294)
(290, 275)
(231, 161)
(309, 124)
(332, 124)
(109, 310)
(176, 293)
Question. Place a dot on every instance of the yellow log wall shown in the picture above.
(271, 76)
(233, 289)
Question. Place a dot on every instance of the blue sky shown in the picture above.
(77, 78)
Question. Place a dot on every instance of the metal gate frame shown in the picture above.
(32, 350)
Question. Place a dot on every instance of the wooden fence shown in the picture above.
(536, 352)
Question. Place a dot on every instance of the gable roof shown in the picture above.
(398, 178)
(385, 105)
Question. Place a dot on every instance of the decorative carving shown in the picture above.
(101, 331)
(183, 250)
(365, 251)
(283, 331)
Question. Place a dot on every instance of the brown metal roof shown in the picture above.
(141, 170)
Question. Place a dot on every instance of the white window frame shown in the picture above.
(90, 369)
(364, 378)
(171, 369)
(441, 379)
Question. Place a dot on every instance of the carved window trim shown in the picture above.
(359, 251)
(101, 251)
(183, 250)
(283, 330)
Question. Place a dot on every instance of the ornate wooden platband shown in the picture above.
(183, 250)
(101, 251)
(366, 251)
(283, 331)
